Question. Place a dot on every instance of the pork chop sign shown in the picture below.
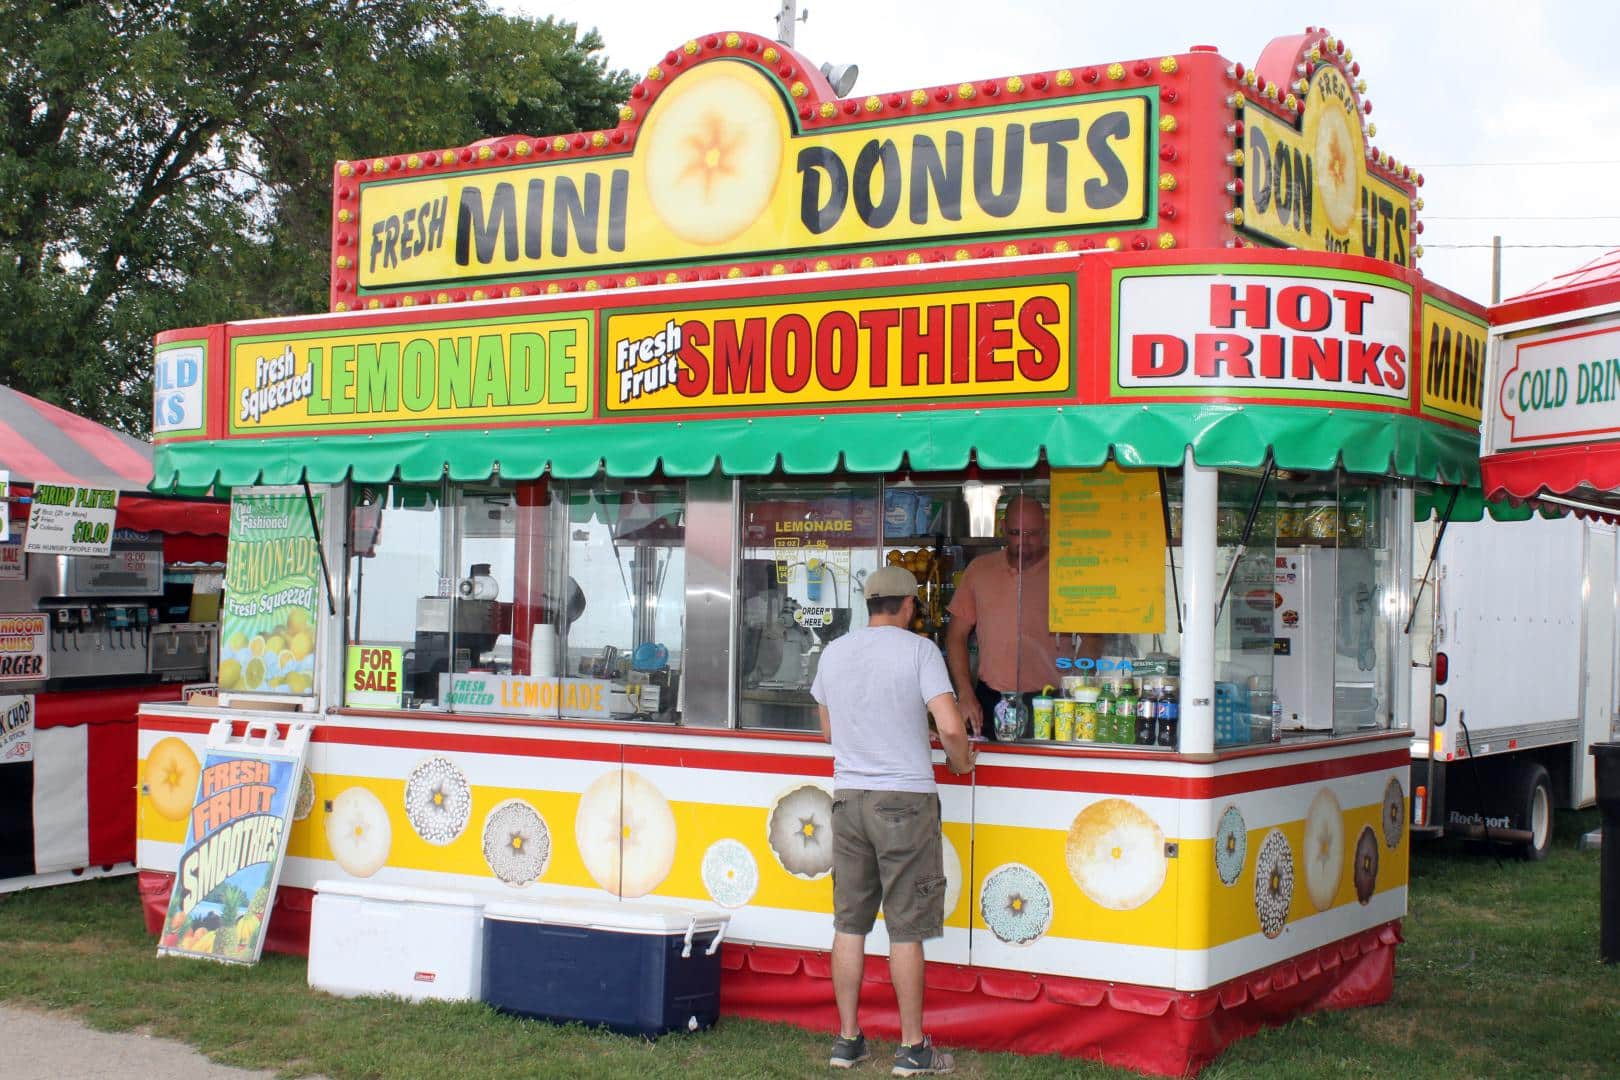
(1258, 332)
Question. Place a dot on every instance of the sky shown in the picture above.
(1511, 110)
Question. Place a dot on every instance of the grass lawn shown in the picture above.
(1499, 977)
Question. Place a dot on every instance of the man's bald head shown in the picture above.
(1024, 526)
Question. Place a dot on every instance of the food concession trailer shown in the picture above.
(86, 636)
(606, 431)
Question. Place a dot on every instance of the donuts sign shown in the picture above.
(1193, 332)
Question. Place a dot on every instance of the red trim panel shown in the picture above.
(1589, 470)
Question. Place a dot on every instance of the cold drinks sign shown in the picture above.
(1562, 385)
(1273, 333)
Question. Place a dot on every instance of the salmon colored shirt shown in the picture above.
(989, 600)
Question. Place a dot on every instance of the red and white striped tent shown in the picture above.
(70, 810)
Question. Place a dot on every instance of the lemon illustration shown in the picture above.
(713, 153)
(297, 619)
(301, 644)
(275, 643)
(287, 658)
(257, 645)
(254, 675)
(299, 682)
(171, 778)
(237, 642)
(230, 674)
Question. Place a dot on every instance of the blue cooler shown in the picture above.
(638, 969)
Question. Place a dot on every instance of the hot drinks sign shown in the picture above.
(1273, 333)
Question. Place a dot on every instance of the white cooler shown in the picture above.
(367, 939)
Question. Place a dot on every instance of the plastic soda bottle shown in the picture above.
(1105, 712)
(1125, 712)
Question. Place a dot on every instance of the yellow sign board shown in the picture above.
(1010, 340)
(1107, 552)
(1311, 190)
(1453, 357)
(435, 373)
(718, 171)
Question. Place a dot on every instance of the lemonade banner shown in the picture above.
(272, 587)
(1107, 552)
(1310, 189)
(236, 838)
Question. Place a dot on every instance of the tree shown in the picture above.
(167, 163)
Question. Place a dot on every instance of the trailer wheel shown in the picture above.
(1533, 799)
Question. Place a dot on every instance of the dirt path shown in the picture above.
(58, 1046)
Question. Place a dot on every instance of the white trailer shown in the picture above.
(1514, 675)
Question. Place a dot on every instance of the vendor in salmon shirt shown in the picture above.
(1003, 595)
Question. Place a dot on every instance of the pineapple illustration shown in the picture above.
(231, 901)
(261, 900)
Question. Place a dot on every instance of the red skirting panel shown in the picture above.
(1163, 1032)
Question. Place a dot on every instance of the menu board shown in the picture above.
(1107, 552)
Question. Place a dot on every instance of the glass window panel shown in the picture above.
(806, 548)
(1255, 581)
(398, 602)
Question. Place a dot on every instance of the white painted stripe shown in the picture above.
(61, 798)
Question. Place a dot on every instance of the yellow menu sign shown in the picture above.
(1107, 552)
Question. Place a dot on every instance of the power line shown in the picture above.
(1577, 246)
(1521, 217)
(1512, 164)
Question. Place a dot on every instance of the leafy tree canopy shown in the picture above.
(168, 163)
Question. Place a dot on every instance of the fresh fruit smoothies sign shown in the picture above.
(1262, 332)
(1008, 341)
(272, 587)
(236, 834)
(1561, 385)
(1310, 188)
(455, 372)
(718, 169)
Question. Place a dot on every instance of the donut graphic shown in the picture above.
(1324, 849)
(1015, 904)
(626, 833)
(730, 873)
(1115, 853)
(953, 874)
(517, 843)
(1231, 845)
(1273, 883)
(358, 831)
(306, 796)
(171, 778)
(438, 800)
(1394, 813)
(800, 831)
(1365, 872)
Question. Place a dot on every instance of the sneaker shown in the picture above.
(923, 1059)
(848, 1053)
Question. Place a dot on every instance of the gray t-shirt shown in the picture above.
(876, 683)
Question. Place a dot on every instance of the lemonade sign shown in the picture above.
(272, 584)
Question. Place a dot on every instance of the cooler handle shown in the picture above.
(692, 928)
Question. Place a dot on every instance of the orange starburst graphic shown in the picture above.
(713, 152)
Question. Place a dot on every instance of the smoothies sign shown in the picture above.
(1560, 386)
(720, 167)
(1258, 332)
(1009, 341)
(272, 587)
(236, 836)
(1310, 188)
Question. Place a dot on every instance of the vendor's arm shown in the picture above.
(956, 656)
(959, 753)
(826, 723)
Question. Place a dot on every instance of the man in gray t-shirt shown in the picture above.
(875, 688)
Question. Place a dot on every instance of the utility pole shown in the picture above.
(1496, 269)
(787, 17)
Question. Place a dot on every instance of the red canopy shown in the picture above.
(42, 444)
(1595, 284)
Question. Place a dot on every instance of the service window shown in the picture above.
(806, 549)
(399, 589)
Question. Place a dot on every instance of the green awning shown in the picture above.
(942, 440)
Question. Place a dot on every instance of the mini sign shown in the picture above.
(71, 520)
(1453, 351)
(373, 677)
(24, 647)
(1560, 386)
(1262, 332)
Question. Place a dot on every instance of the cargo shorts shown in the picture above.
(887, 851)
